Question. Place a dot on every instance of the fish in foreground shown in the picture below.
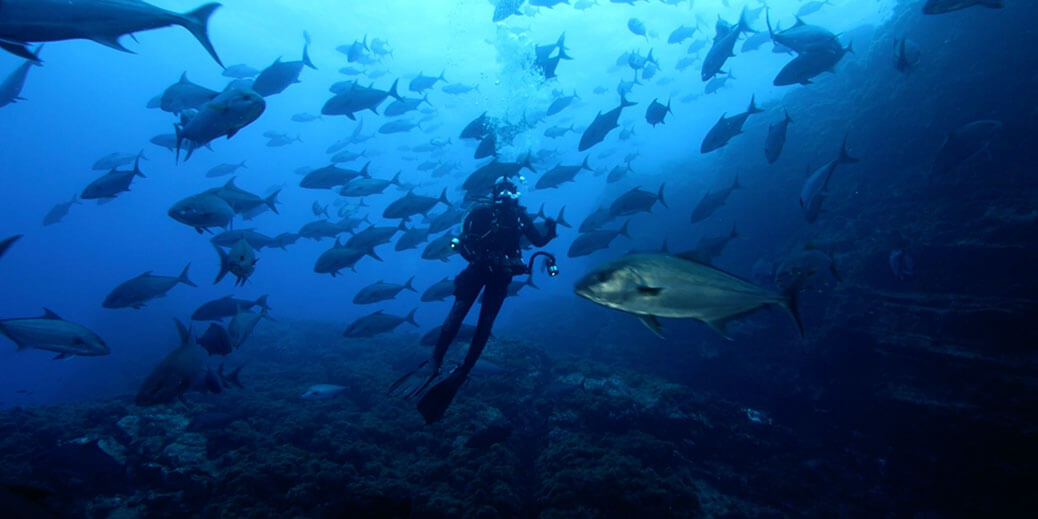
(226, 306)
(376, 323)
(175, 374)
(6, 243)
(816, 187)
(59, 211)
(322, 392)
(727, 127)
(136, 292)
(225, 115)
(947, 6)
(964, 144)
(240, 261)
(11, 88)
(103, 21)
(52, 333)
(651, 285)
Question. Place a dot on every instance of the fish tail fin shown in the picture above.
(261, 302)
(137, 167)
(845, 157)
(529, 282)
(442, 78)
(410, 318)
(540, 212)
(272, 201)
(182, 331)
(753, 109)
(623, 229)
(197, 22)
(736, 184)
(409, 285)
(180, 137)
(585, 165)
(791, 303)
(392, 91)
(788, 118)
(306, 54)
(183, 277)
(734, 233)
(744, 25)
(624, 103)
(659, 196)
(561, 219)
(371, 252)
(443, 198)
(225, 264)
(850, 47)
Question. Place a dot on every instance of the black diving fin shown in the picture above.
(439, 397)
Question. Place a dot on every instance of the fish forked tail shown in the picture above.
(272, 201)
(183, 277)
(659, 196)
(392, 91)
(753, 109)
(225, 264)
(410, 318)
(306, 52)
(197, 22)
(845, 157)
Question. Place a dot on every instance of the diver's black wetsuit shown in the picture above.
(490, 242)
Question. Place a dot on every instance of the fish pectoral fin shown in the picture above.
(62, 356)
(719, 327)
(109, 40)
(652, 324)
(649, 291)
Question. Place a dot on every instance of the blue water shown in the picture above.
(88, 100)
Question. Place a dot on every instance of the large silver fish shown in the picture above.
(651, 285)
(52, 333)
(175, 374)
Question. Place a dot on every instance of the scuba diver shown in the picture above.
(490, 242)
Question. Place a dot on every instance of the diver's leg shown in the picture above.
(414, 383)
(466, 288)
(435, 402)
(493, 297)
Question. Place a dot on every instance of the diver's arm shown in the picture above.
(535, 236)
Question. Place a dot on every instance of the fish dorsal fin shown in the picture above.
(144, 275)
(49, 314)
(799, 22)
(183, 77)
